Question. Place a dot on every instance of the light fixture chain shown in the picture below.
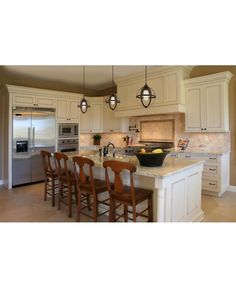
(83, 79)
(145, 74)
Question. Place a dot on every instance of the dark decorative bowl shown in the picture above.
(151, 159)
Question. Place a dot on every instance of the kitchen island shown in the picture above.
(177, 186)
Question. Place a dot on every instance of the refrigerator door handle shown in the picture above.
(29, 144)
(33, 138)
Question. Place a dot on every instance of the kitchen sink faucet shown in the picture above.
(113, 146)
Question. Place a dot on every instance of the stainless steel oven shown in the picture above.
(68, 130)
(68, 145)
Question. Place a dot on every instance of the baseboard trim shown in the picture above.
(232, 188)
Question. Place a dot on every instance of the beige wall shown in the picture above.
(205, 70)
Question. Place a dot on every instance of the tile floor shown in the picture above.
(25, 204)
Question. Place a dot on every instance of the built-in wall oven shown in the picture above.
(68, 145)
(68, 130)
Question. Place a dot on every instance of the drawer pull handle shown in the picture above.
(212, 169)
(187, 156)
(212, 184)
(212, 158)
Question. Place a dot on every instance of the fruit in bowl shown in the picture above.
(157, 150)
(152, 159)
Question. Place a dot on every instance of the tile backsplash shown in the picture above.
(203, 141)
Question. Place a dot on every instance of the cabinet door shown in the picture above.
(23, 100)
(213, 104)
(110, 122)
(171, 88)
(62, 110)
(97, 117)
(132, 91)
(193, 116)
(73, 110)
(86, 121)
(47, 102)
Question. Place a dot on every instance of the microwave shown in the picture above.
(68, 130)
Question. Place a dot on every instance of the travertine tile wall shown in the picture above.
(115, 138)
(201, 141)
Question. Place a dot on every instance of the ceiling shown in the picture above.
(98, 79)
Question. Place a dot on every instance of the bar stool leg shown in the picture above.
(59, 195)
(112, 211)
(150, 209)
(45, 188)
(78, 204)
(53, 191)
(125, 213)
(95, 208)
(134, 213)
(69, 200)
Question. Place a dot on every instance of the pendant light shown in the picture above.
(112, 99)
(146, 94)
(83, 103)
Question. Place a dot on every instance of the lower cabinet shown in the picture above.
(215, 177)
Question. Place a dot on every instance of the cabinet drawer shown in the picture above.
(210, 169)
(212, 159)
(187, 156)
(173, 155)
(210, 185)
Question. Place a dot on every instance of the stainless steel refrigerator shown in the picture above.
(33, 130)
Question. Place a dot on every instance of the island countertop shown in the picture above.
(176, 185)
(170, 166)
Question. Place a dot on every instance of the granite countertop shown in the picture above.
(170, 166)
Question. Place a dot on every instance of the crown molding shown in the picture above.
(153, 73)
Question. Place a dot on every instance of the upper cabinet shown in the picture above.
(112, 123)
(29, 100)
(100, 118)
(207, 103)
(92, 120)
(168, 87)
(67, 110)
(65, 103)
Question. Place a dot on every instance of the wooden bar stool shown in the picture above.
(128, 196)
(51, 182)
(67, 182)
(87, 187)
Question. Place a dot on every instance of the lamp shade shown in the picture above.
(112, 100)
(83, 105)
(146, 95)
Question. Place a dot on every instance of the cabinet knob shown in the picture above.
(205, 128)
(201, 128)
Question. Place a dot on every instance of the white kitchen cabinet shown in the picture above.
(67, 110)
(92, 120)
(112, 123)
(167, 85)
(207, 103)
(27, 100)
(215, 177)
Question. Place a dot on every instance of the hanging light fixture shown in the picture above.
(112, 99)
(146, 94)
(83, 103)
